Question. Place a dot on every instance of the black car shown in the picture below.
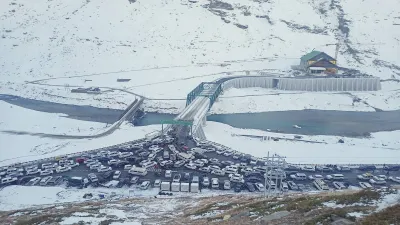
(133, 159)
(254, 180)
(367, 168)
(291, 168)
(392, 168)
(250, 187)
(227, 163)
(122, 182)
(107, 175)
(238, 188)
(103, 159)
(120, 164)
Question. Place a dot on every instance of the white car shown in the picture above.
(247, 170)
(112, 162)
(149, 164)
(204, 169)
(205, 161)
(125, 154)
(95, 166)
(157, 183)
(228, 153)
(179, 163)
(259, 186)
(190, 166)
(382, 177)
(104, 169)
(89, 161)
(214, 160)
(395, 179)
(145, 185)
(7, 180)
(218, 172)
(238, 178)
(365, 176)
(253, 162)
(34, 171)
(316, 176)
(220, 152)
(151, 156)
(168, 173)
(127, 167)
(113, 154)
(205, 182)
(46, 172)
(377, 180)
(49, 165)
(198, 163)
(215, 168)
(72, 163)
(116, 175)
(62, 169)
(309, 168)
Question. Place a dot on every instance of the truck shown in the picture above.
(185, 187)
(165, 186)
(194, 188)
(175, 187)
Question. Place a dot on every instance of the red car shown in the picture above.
(185, 148)
(80, 160)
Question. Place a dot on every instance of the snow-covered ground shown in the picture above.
(264, 100)
(15, 118)
(21, 148)
(382, 147)
(167, 48)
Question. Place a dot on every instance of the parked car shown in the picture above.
(145, 185)
(116, 175)
(259, 186)
(227, 185)
(157, 183)
(179, 163)
(205, 182)
(93, 177)
(250, 186)
(104, 169)
(176, 178)
(62, 169)
(190, 166)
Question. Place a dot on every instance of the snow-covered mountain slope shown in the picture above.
(57, 38)
(100, 41)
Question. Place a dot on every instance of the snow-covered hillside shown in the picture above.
(168, 47)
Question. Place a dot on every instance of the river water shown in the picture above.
(312, 122)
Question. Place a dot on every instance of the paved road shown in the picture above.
(129, 111)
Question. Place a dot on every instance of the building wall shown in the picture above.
(309, 84)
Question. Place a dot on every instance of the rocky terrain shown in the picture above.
(341, 207)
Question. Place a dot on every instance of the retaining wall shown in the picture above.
(307, 84)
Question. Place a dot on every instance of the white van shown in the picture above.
(284, 186)
(321, 185)
(138, 171)
(7, 180)
(335, 177)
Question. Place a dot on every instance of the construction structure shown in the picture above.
(274, 175)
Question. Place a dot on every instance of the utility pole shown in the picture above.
(275, 167)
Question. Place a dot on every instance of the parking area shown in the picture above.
(178, 163)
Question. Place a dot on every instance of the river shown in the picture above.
(312, 122)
